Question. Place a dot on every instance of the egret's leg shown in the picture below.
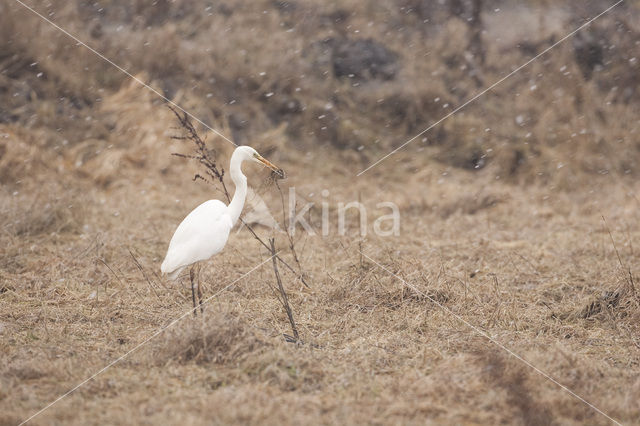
(200, 291)
(193, 293)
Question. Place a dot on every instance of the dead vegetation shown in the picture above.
(512, 380)
(501, 210)
(216, 339)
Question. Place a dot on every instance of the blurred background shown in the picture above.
(356, 78)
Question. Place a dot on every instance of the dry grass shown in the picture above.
(501, 229)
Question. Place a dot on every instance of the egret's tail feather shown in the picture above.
(174, 274)
(170, 271)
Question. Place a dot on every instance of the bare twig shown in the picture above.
(283, 296)
(630, 279)
(203, 155)
(292, 244)
(112, 271)
(296, 273)
(144, 274)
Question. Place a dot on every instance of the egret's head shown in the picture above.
(253, 155)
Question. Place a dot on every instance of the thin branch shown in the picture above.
(292, 244)
(283, 296)
(144, 274)
(630, 279)
(297, 274)
(112, 271)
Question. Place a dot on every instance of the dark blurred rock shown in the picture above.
(287, 105)
(319, 54)
(467, 10)
(282, 107)
(438, 11)
(7, 117)
(154, 12)
(364, 59)
(588, 49)
(96, 30)
(239, 125)
(339, 16)
(285, 7)
(324, 126)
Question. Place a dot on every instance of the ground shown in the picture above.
(510, 293)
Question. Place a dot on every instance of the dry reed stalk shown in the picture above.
(282, 297)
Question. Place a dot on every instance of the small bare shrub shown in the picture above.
(218, 338)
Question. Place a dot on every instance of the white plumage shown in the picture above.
(205, 231)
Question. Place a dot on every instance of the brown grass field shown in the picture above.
(519, 214)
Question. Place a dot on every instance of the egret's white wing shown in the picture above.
(203, 233)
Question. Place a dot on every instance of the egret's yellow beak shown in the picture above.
(272, 166)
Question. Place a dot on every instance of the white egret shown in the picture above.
(205, 231)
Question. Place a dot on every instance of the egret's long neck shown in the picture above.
(240, 181)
